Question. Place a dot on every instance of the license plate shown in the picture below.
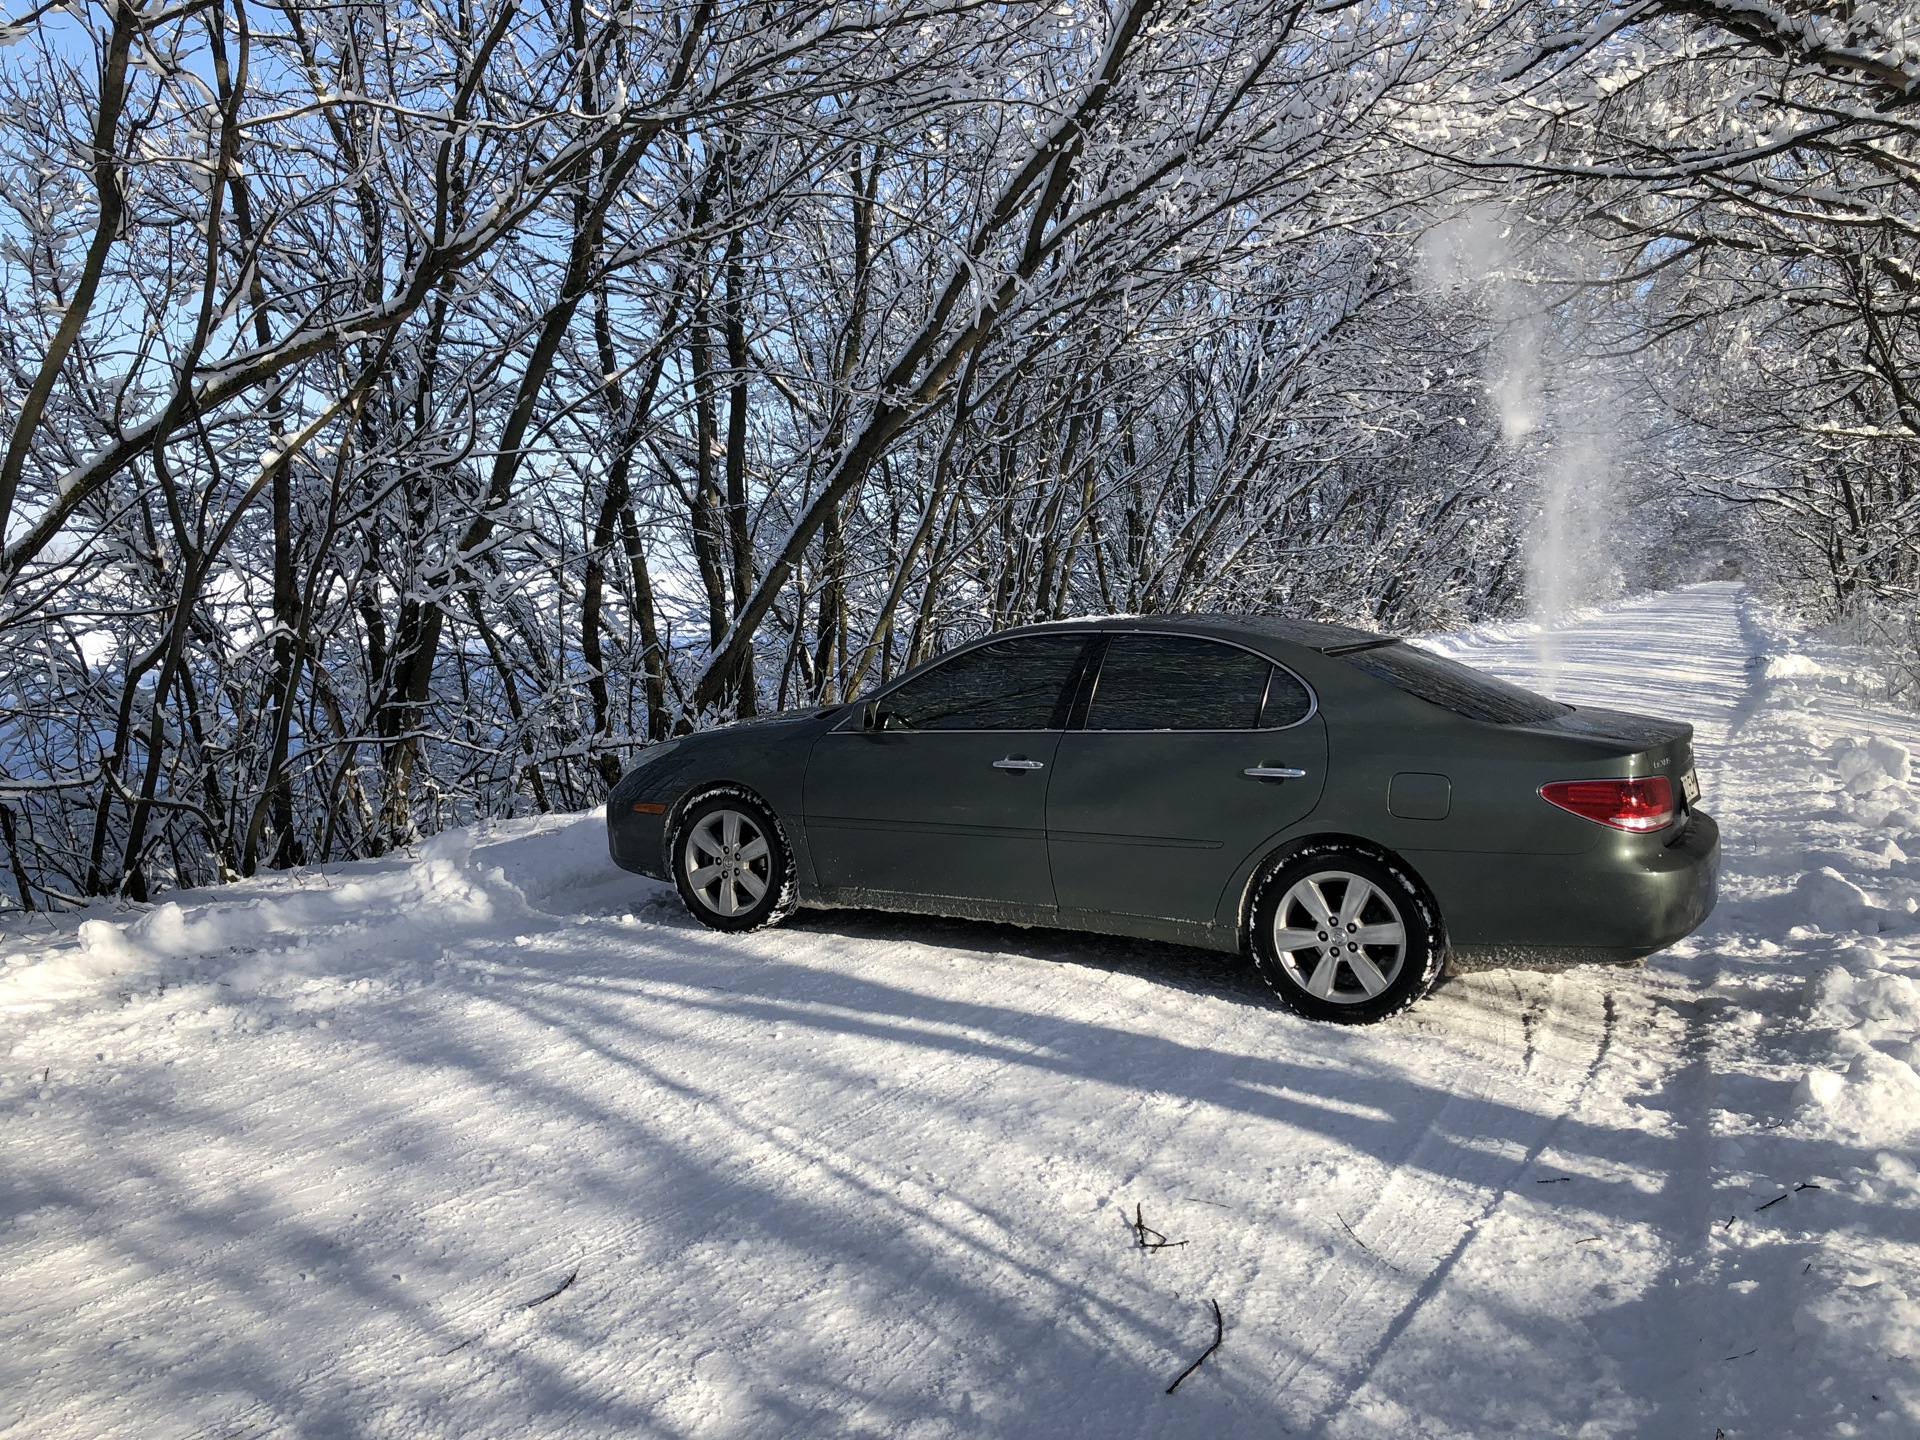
(1690, 787)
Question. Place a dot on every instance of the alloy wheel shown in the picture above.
(728, 863)
(1339, 937)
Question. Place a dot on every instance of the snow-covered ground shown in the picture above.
(493, 1140)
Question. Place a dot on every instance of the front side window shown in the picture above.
(1008, 685)
(1453, 686)
(1182, 682)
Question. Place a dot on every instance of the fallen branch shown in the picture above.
(1141, 1230)
(1219, 1333)
(1773, 1202)
(1556, 1180)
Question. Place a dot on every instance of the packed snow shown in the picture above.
(493, 1139)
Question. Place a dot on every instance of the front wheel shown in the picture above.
(731, 863)
(1340, 934)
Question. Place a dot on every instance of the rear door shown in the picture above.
(947, 799)
(1179, 772)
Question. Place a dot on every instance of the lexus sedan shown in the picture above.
(1349, 810)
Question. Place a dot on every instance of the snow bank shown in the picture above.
(1873, 772)
(1819, 932)
(1868, 1312)
(1863, 1013)
(392, 918)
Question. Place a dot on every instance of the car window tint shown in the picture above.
(1288, 701)
(1009, 685)
(1453, 686)
(1177, 682)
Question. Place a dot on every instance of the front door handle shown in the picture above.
(1019, 762)
(1273, 772)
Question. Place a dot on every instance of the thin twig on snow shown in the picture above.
(1366, 1247)
(1141, 1230)
(1219, 1334)
(553, 1293)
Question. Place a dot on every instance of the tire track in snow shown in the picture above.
(1457, 1170)
(1688, 1239)
(1677, 1395)
(1495, 1198)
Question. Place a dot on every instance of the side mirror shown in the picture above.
(870, 715)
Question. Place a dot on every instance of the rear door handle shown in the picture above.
(1019, 764)
(1273, 772)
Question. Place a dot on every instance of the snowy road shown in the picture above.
(494, 1141)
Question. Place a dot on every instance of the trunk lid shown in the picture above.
(1647, 744)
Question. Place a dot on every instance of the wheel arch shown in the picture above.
(1296, 845)
(705, 790)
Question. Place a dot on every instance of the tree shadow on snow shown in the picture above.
(743, 1155)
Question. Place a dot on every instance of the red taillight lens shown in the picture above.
(1638, 805)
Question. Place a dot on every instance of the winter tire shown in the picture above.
(731, 862)
(1345, 934)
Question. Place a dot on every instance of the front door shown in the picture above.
(945, 799)
(1152, 806)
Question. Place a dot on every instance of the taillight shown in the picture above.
(1638, 805)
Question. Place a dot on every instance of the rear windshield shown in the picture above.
(1453, 686)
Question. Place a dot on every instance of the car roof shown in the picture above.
(1311, 634)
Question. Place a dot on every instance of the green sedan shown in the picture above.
(1349, 810)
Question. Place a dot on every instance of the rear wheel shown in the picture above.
(1343, 935)
(731, 863)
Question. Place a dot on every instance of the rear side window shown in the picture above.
(1182, 682)
(1288, 701)
(1009, 685)
(1453, 686)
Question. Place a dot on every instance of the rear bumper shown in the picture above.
(1619, 902)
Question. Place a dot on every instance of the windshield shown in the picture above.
(1453, 686)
